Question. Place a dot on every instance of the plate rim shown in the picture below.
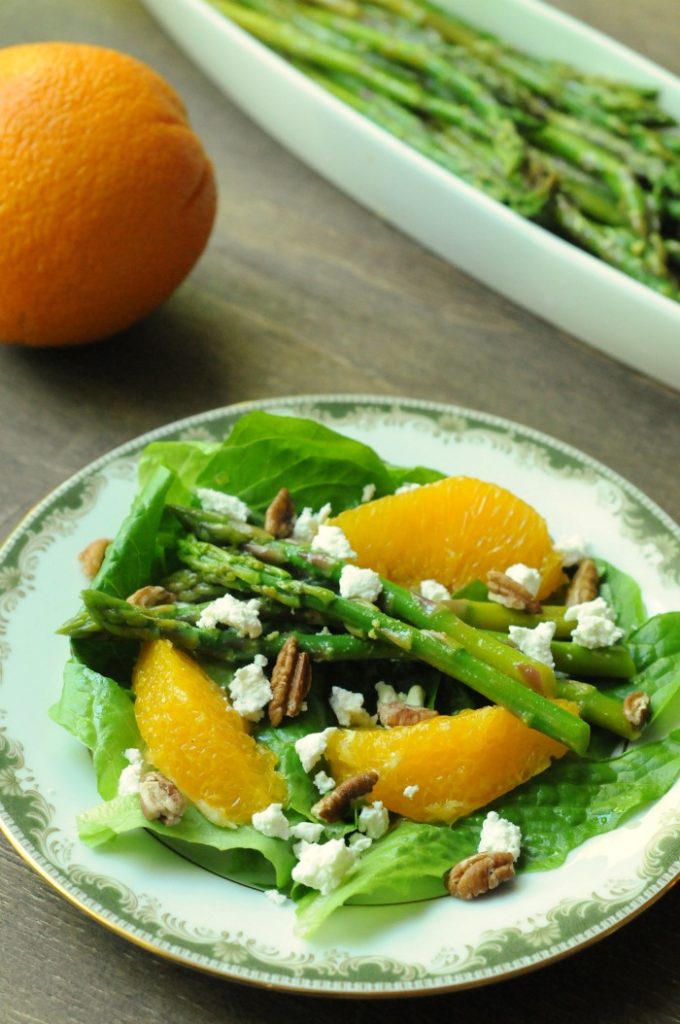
(385, 403)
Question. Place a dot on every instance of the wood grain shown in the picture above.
(301, 290)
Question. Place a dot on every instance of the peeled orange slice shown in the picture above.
(453, 531)
(458, 763)
(195, 738)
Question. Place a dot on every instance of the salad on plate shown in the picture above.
(342, 681)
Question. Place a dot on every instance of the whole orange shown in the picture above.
(107, 198)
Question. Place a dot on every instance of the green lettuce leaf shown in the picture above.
(265, 452)
(413, 857)
(129, 560)
(123, 814)
(99, 713)
(655, 649)
(133, 559)
(623, 594)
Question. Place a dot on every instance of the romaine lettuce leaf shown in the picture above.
(99, 713)
(123, 814)
(623, 594)
(265, 452)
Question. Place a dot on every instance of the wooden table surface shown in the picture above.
(303, 291)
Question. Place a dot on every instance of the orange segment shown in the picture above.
(459, 763)
(195, 738)
(453, 531)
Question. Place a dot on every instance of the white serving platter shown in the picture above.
(555, 280)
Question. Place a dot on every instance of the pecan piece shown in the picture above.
(335, 804)
(160, 799)
(479, 874)
(92, 556)
(280, 516)
(637, 708)
(149, 597)
(585, 583)
(290, 682)
(396, 712)
(513, 593)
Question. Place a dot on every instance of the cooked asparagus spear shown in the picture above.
(367, 621)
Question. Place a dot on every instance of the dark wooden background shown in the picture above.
(302, 291)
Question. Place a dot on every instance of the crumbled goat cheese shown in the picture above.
(433, 591)
(244, 616)
(131, 776)
(359, 843)
(307, 830)
(250, 689)
(572, 548)
(499, 836)
(535, 643)
(226, 504)
(276, 897)
(272, 822)
(323, 867)
(355, 582)
(528, 578)
(349, 707)
(310, 748)
(595, 624)
(405, 488)
(368, 493)
(415, 697)
(330, 540)
(323, 782)
(307, 524)
(410, 791)
(374, 820)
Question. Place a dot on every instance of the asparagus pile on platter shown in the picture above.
(595, 160)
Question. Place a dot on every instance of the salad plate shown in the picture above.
(150, 895)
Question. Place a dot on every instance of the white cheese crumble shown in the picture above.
(374, 820)
(311, 748)
(307, 524)
(226, 504)
(595, 624)
(323, 782)
(307, 830)
(131, 776)
(250, 689)
(349, 707)
(363, 583)
(276, 897)
(499, 835)
(244, 616)
(368, 493)
(528, 578)
(432, 590)
(410, 791)
(415, 698)
(359, 843)
(535, 643)
(405, 488)
(330, 540)
(323, 867)
(272, 822)
(572, 548)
